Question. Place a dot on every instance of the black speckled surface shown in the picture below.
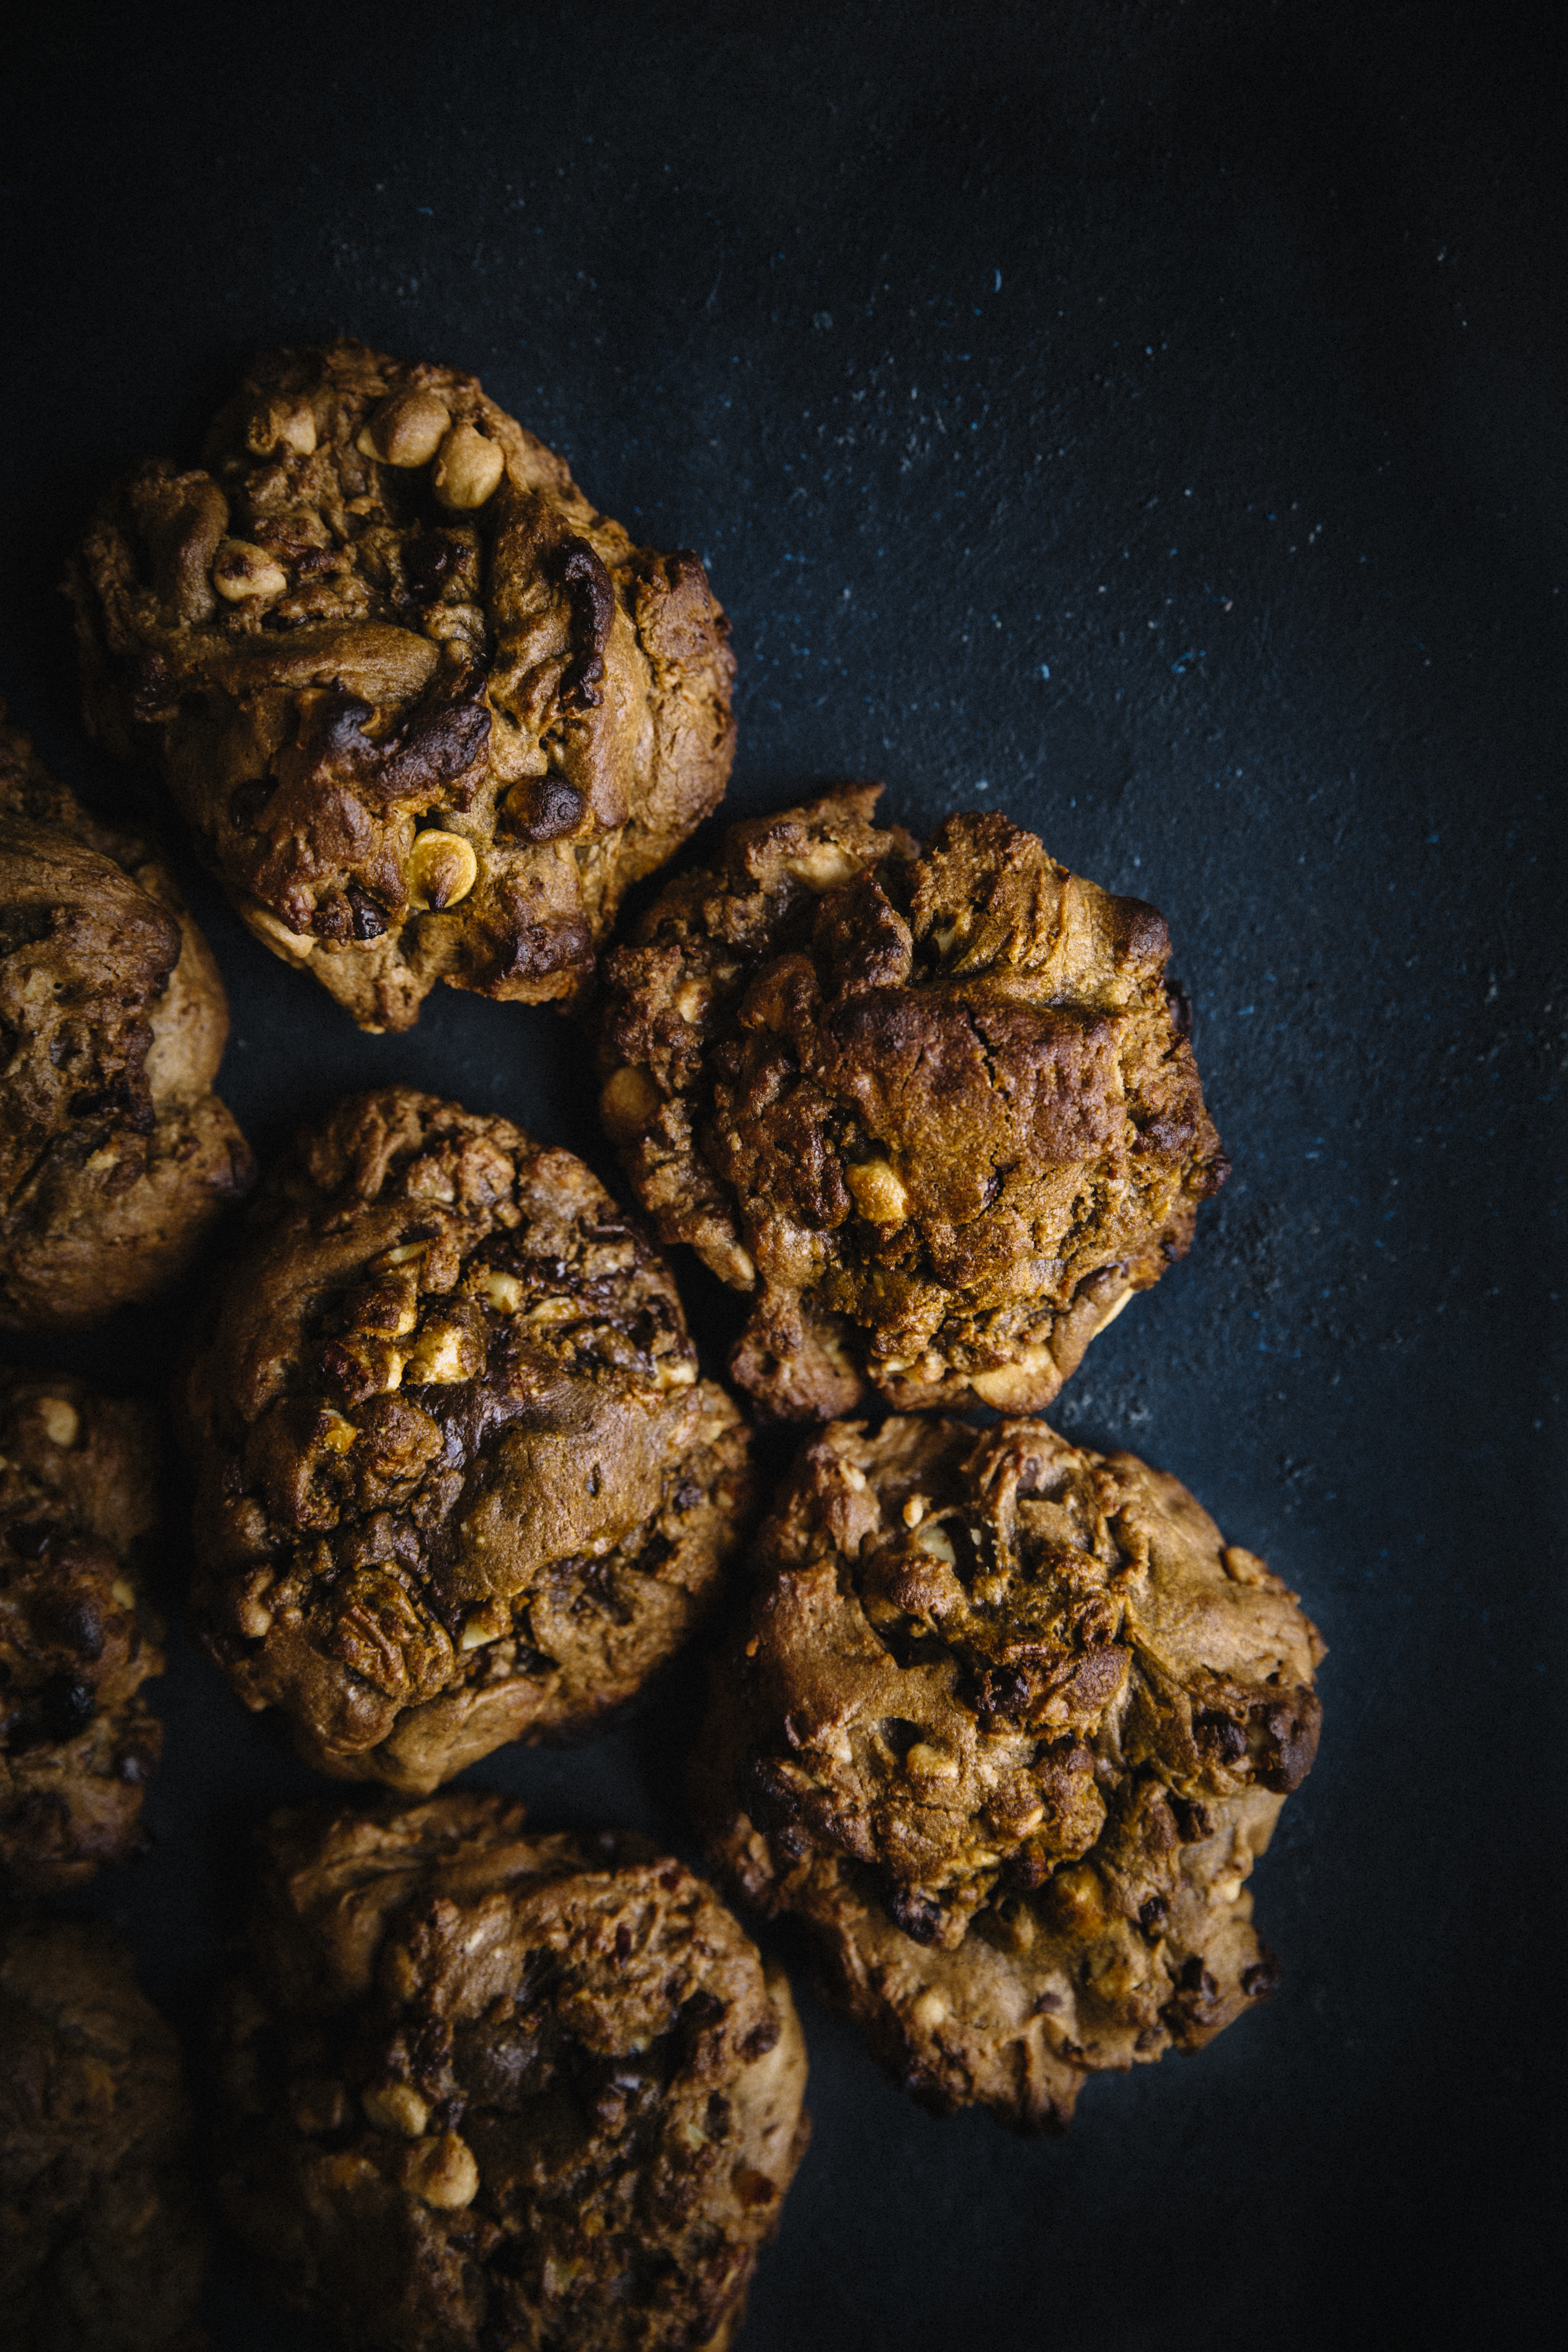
(1141, 419)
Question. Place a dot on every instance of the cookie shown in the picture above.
(101, 2245)
(428, 714)
(79, 1639)
(936, 1112)
(1007, 1726)
(487, 2089)
(116, 1156)
(458, 1480)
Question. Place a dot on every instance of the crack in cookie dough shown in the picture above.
(1007, 1726)
(428, 713)
(936, 1110)
(116, 1156)
(79, 1638)
(458, 1479)
(492, 2087)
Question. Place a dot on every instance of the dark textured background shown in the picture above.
(1145, 419)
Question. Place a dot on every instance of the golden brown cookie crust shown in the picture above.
(116, 1156)
(78, 1637)
(1007, 1725)
(487, 2086)
(935, 1110)
(101, 2246)
(458, 1480)
(428, 713)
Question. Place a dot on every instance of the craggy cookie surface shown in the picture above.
(100, 2250)
(493, 2089)
(935, 1110)
(116, 1156)
(78, 1636)
(458, 1480)
(1008, 1724)
(428, 713)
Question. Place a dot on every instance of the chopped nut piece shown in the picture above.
(241, 571)
(504, 1292)
(469, 468)
(395, 2107)
(878, 1191)
(443, 2173)
(406, 430)
(442, 868)
(442, 1353)
(914, 1510)
(924, 1762)
(337, 1432)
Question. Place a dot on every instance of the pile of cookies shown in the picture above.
(1003, 1721)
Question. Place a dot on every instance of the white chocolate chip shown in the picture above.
(822, 865)
(924, 1762)
(124, 1592)
(914, 1510)
(628, 1101)
(691, 1001)
(442, 869)
(853, 1476)
(938, 1543)
(501, 1291)
(679, 1374)
(61, 1421)
(928, 2010)
(468, 468)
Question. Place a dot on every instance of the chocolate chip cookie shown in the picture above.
(101, 2248)
(428, 713)
(488, 2088)
(1007, 1725)
(79, 1639)
(936, 1111)
(458, 1480)
(116, 1156)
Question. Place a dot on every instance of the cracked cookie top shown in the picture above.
(78, 1637)
(1008, 1721)
(487, 2086)
(428, 713)
(458, 1479)
(936, 1110)
(116, 1156)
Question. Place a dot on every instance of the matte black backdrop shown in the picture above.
(1139, 418)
